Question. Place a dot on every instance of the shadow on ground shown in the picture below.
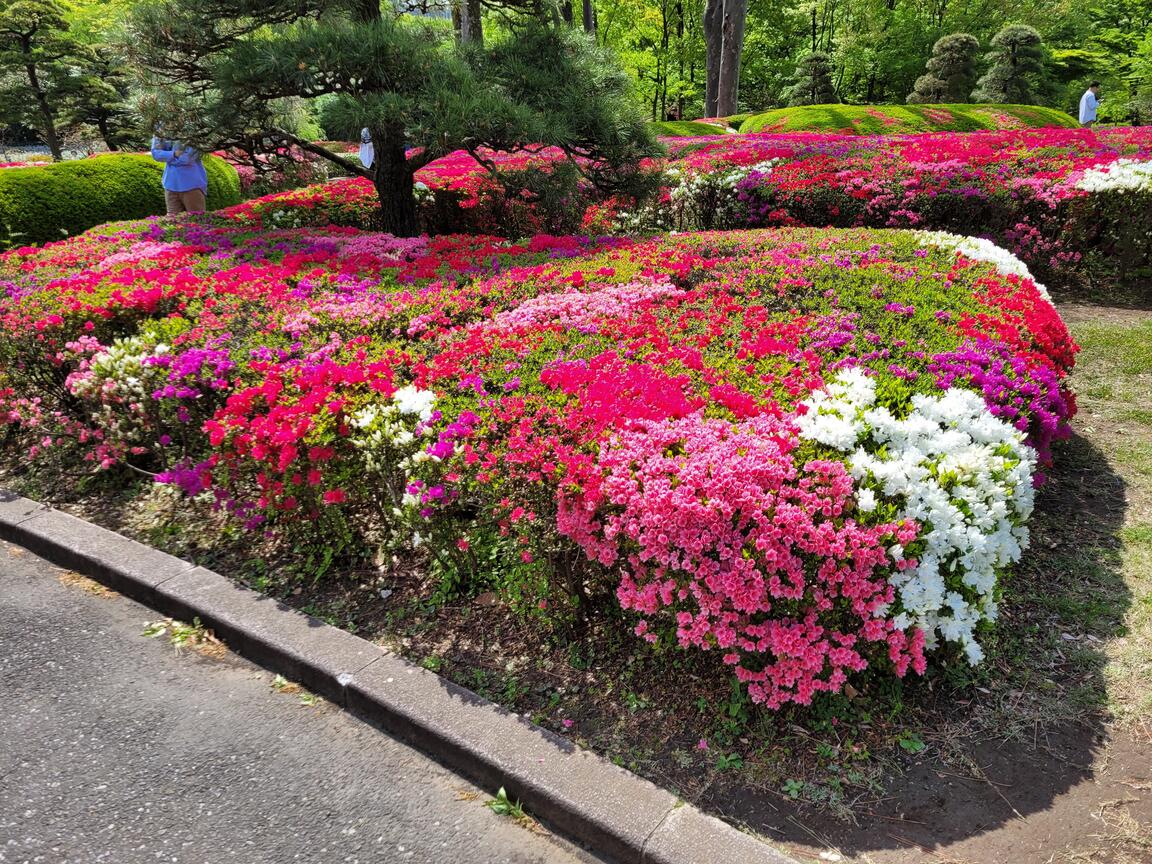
(1008, 750)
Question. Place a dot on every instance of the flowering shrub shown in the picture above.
(1060, 199)
(286, 168)
(808, 451)
(1071, 203)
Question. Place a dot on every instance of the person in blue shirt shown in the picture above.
(184, 180)
(1089, 102)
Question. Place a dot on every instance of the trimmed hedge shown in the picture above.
(901, 119)
(48, 202)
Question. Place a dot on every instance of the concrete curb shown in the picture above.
(615, 813)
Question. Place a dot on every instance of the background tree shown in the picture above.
(220, 70)
(102, 99)
(1017, 71)
(731, 48)
(1139, 79)
(38, 60)
(468, 21)
(812, 83)
(951, 71)
(724, 24)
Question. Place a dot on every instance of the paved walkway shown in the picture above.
(115, 749)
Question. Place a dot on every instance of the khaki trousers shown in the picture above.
(191, 201)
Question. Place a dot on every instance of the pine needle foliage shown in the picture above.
(220, 73)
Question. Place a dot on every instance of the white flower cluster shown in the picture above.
(980, 249)
(695, 198)
(386, 433)
(964, 475)
(422, 193)
(293, 218)
(118, 385)
(1123, 175)
(119, 371)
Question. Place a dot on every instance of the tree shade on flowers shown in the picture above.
(808, 452)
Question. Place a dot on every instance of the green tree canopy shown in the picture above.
(951, 71)
(219, 72)
(39, 62)
(1017, 74)
(812, 84)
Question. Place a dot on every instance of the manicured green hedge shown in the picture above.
(48, 202)
(900, 119)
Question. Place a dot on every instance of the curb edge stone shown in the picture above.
(613, 812)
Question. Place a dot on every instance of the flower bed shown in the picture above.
(811, 453)
(904, 119)
(1074, 204)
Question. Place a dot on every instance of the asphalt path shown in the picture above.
(116, 748)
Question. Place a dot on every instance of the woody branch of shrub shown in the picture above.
(232, 73)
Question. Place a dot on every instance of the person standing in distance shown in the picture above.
(1089, 102)
(367, 150)
(184, 180)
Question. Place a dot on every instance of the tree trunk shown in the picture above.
(51, 138)
(105, 133)
(728, 89)
(566, 11)
(713, 42)
(394, 184)
(469, 26)
(589, 17)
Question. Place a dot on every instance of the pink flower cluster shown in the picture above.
(758, 558)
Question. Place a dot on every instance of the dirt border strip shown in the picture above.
(584, 796)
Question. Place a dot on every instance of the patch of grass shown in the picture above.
(306, 697)
(903, 119)
(1114, 373)
(688, 128)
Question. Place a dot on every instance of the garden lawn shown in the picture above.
(689, 128)
(905, 119)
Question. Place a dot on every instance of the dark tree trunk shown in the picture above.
(566, 11)
(589, 17)
(44, 109)
(713, 43)
(395, 185)
(105, 133)
(469, 26)
(728, 88)
(476, 21)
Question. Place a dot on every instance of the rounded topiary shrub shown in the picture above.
(43, 203)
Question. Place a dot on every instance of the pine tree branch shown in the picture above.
(324, 153)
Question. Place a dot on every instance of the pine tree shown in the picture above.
(102, 99)
(951, 71)
(812, 83)
(1017, 74)
(40, 58)
(219, 71)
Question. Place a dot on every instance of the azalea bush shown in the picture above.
(283, 169)
(1063, 200)
(1075, 204)
(809, 453)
